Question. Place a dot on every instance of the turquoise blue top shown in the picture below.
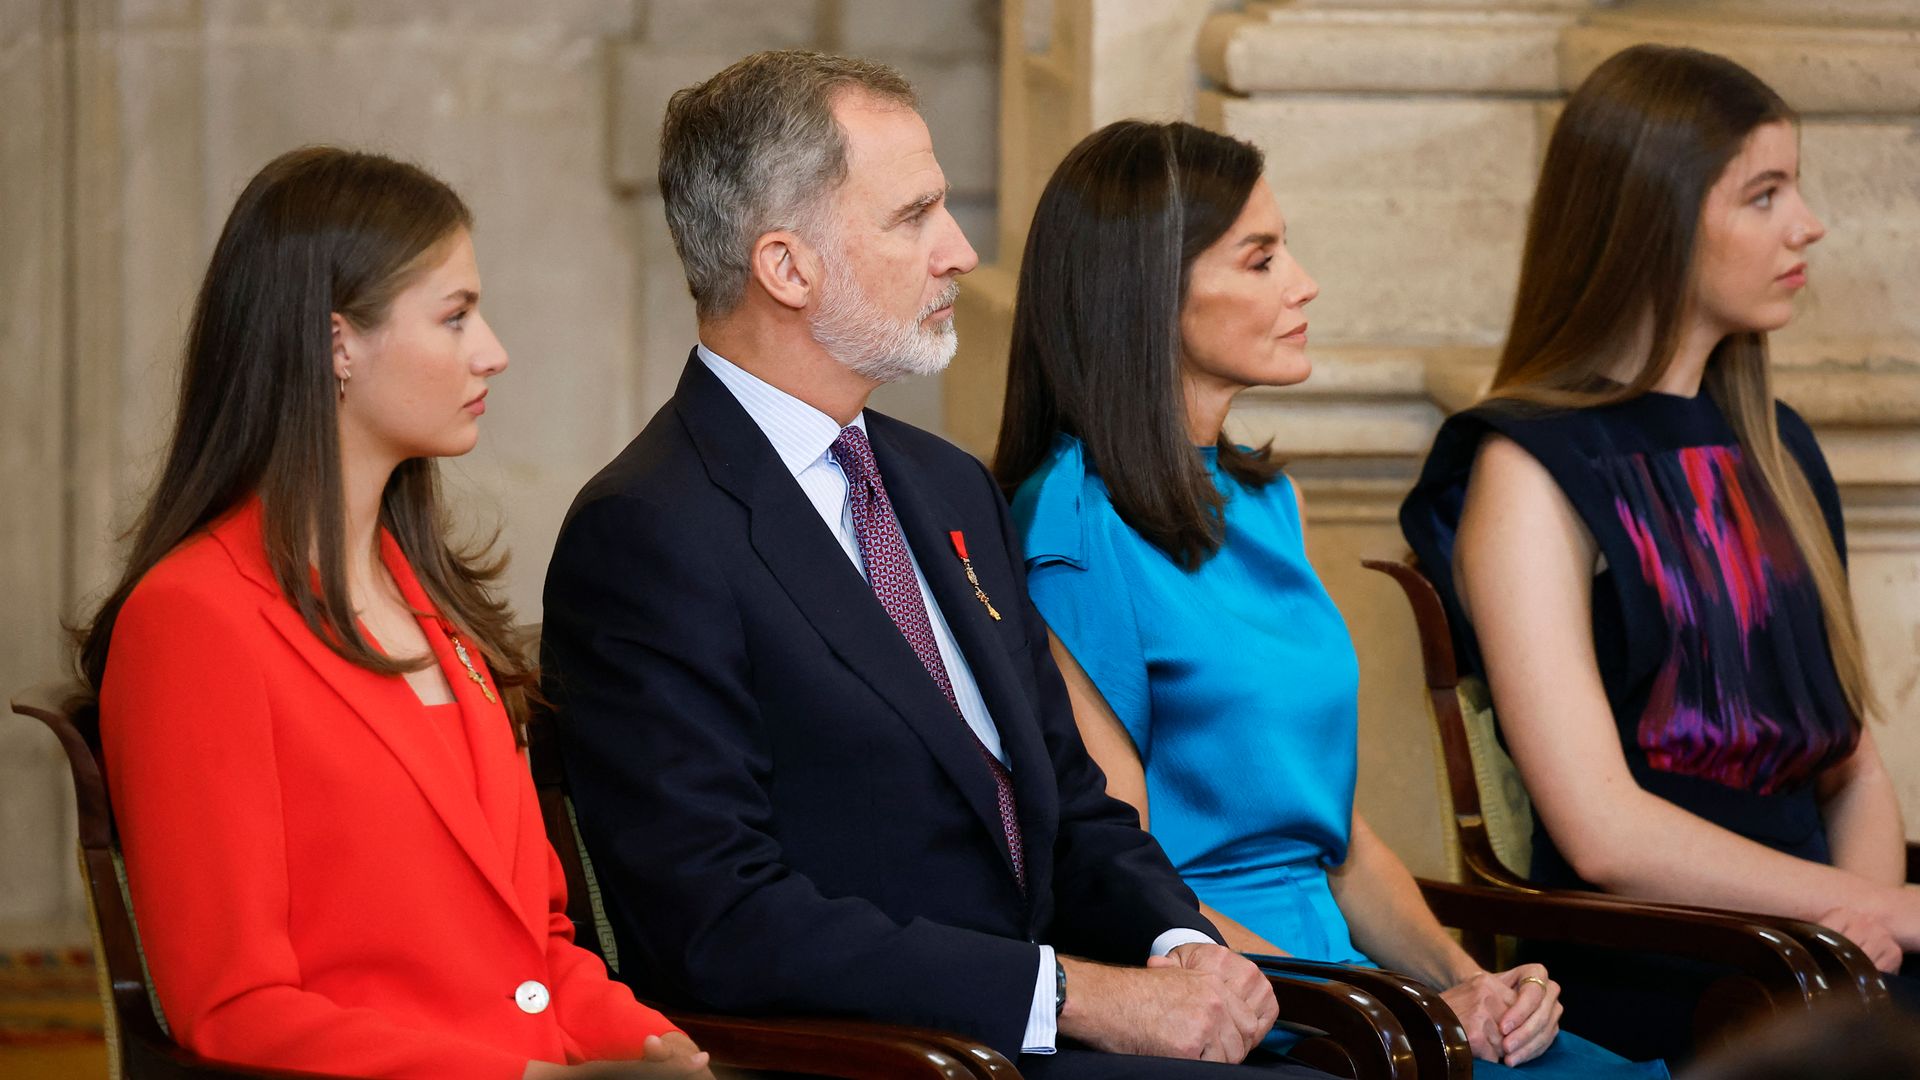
(1237, 682)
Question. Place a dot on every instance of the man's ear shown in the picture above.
(785, 267)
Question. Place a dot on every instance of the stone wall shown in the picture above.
(1402, 141)
(132, 124)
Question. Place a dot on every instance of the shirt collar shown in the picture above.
(800, 433)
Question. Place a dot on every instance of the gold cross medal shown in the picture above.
(960, 548)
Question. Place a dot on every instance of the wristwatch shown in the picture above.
(1059, 988)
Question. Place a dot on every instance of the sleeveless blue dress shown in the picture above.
(1238, 684)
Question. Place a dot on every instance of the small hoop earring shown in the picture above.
(343, 384)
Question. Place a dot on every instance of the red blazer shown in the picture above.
(317, 886)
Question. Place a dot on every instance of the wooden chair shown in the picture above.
(1372, 1025)
(1789, 964)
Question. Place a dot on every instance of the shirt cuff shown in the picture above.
(1043, 1023)
(1175, 938)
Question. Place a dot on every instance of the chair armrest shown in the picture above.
(1364, 1031)
(854, 1049)
(1771, 950)
(1439, 1041)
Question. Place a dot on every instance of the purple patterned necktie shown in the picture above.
(890, 572)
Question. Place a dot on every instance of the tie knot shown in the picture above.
(853, 452)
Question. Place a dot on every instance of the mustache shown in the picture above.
(946, 298)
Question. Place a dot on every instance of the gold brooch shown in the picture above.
(460, 651)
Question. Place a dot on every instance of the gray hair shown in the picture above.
(753, 149)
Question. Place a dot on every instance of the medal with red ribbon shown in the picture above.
(960, 548)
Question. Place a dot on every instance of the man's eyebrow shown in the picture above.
(924, 202)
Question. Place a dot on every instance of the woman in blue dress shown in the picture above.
(1213, 678)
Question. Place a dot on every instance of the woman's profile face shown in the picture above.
(419, 379)
(1243, 322)
(1750, 261)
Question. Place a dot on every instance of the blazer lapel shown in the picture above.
(388, 706)
(499, 772)
(384, 703)
(808, 562)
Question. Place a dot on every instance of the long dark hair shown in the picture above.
(1610, 252)
(318, 231)
(1096, 325)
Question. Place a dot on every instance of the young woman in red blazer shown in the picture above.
(333, 845)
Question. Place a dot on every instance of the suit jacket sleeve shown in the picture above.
(651, 667)
(188, 740)
(1114, 888)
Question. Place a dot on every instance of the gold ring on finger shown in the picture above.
(1536, 980)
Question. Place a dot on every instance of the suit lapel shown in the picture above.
(808, 562)
(928, 520)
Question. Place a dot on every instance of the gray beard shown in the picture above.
(872, 344)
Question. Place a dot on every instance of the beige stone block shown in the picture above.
(156, 14)
(736, 26)
(1390, 50)
(519, 131)
(644, 77)
(1409, 212)
(1863, 179)
(1886, 591)
(668, 329)
(893, 28)
(1414, 6)
(36, 817)
(1815, 12)
(1817, 67)
(440, 19)
(960, 101)
(1357, 401)
(977, 216)
(977, 380)
(1142, 59)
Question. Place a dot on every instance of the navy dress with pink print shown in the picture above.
(1710, 641)
(1706, 622)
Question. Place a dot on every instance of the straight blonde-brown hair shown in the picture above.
(1610, 253)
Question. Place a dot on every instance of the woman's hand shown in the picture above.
(669, 1057)
(1868, 932)
(1510, 1016)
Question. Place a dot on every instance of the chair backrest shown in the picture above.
(584, 905)
(1492, 816)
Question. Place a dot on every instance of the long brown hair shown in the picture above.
(1096, 325)
(1610, 254)
(318, 231)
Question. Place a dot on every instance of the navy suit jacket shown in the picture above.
(784, 812)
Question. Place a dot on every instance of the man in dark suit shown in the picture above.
(821, 755)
